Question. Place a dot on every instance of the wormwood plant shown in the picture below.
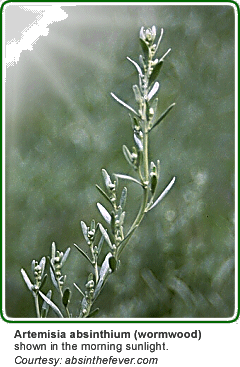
(116, 235)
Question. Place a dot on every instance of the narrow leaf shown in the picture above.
(163, 194)
(103, 193)
(66, 297)
(53, 250)
(136, 66)
(65, 256)
(51, 304)
(45, 305)
(123, 198)
(137, 93)
(159, 40)
(100, 243)
(104, 213)
(105, 266)
(42, 263)
(141, 33)
(55, 283)
(124, 104)
(107, 179)
(164, 114)
(138, 142)
(155, 72)
(141, 61)
(144, 48)
(128, 156)
(104, 272)
(83, 253)
(93, 225)
(33, 264)
(27, 280)
(106, 236)
(166, 53)
(121, 219)
(153, 91)
(125, 177)
(84, 230)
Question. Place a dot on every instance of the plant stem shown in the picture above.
(37, 305)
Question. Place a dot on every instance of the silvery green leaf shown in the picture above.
(124, 104)
(100, 243)
(123, 198)
(55, 283)
(105, 267)
(128, 156)
(136, 66)
(83, 253)
(155, 72)
(129, 178)
(66, 297)
(144, 48)
(79, 290)
(154, 104)
(84, 230)
(51, 304)
(138, 142)
(106, 236)
(45, 305)
(141, 61)
(154, 31)
(164, 114)
(93, 225)
(141, 33)
(107, 179)
(137, 93)
(166, 53)
(163, 194)
(104, 213)
(42, 263)
(159, 40)
(104, 272)
(27, 280)
(53, 250)
(103, 193)
(153, 91)
(65, 256)
(121, 219)
(33, 264)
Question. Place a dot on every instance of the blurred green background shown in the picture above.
(63, 127)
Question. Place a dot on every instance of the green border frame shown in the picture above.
(122, 321)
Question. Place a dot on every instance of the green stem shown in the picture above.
(37, 305)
